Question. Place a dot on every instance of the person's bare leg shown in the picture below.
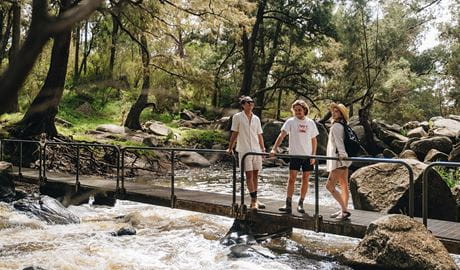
(330, 185)
(344, 192)
(304, 186)
(255, 180)
(290, 191)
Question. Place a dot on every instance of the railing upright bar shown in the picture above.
(77, 180)
(172, 180)
(242, 178)
(1, 149)
(234, 180)
(316, 196)
(122, 170)
(20, 159)
(118, 168)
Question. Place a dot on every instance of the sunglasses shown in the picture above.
(249, 102)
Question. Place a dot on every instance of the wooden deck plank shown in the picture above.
(221, 204)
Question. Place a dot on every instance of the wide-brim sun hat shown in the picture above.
(343, 110)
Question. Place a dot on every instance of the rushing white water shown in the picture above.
(166, 238)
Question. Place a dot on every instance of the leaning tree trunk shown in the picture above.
(41, 114)
(249, 44)
(13, 53)
(132, 120)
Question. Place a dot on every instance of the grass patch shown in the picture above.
(450, 176)
(204, 138)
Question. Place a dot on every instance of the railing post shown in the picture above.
(317, 218)
(173, 196)
(425, 195)
(77, 180)
(1, 149)
(20, 160)
(242, 180)
(122, 170)
(411, 191)
(234, 180)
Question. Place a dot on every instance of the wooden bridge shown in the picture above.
(316, 217)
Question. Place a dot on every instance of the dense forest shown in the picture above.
(87, 62)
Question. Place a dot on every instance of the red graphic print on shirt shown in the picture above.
(302, 128)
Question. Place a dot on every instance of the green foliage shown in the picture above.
(450, 176)
(204, 138)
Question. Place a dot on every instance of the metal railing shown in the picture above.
(172, 159)
(78, 146)
(425, 186)
(3, 142)
(354, 159)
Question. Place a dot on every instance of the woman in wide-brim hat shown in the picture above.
(338, 169)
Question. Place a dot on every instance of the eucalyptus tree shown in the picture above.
(372, 38)
(43, 26)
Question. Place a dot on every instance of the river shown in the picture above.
(166, 238)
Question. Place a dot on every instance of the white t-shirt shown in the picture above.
(300, 134)
(248, 131)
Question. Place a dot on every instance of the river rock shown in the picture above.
(124, 231)
(387, 153)
(47, 209)
(399, 242)
(449, 124)
(411, 125)
(157, 128)
(7, 191)
(408, 154)
(417, 133)
(384, 188)
(435, 155)
(321, 139)
(271, 131)
(386, 134)
(454, 117)
(110, 128)
(397, 146)
(422, 147)
(193, 159)
(454, 155)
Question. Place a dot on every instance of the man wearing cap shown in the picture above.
(247, 132)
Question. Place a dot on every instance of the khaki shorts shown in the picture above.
(251, 162)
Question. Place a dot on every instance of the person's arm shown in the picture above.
(232, 141)
(314, 144)
(261, 142)
(278, 141)
(337, 134)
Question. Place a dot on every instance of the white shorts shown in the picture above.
(251, 162)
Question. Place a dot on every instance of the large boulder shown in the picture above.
(422, 147)
(271, 131)
(435, 155)
(449, 124)
(7, 191)
(387, 133)
(321, 139)
(157, 128)
(47, 209)
(454, 117)
(399, 242)
(110, 128)
(411, 125)
(193, 159)
(384, 187)
(454, 155)
(417, 133)
(408, 154)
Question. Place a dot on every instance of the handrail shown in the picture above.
(357, 159)
(2, 149)
(173, 152)
(78, 145)
(425, 186)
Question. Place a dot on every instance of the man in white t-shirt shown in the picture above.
(302, 133)
(247, 132)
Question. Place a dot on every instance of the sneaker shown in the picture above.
(260, 205)
(336, 214)
(253, 205)
(300, 209)
(343, 215)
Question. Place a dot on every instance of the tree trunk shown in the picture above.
(266, 67)
(76, 73)
(13, 53)
(248, 51)
(113, 47)
(41, 114)
(132, 120)
(42, 27)
(4, 32)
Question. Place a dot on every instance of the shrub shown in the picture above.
(204, 138)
